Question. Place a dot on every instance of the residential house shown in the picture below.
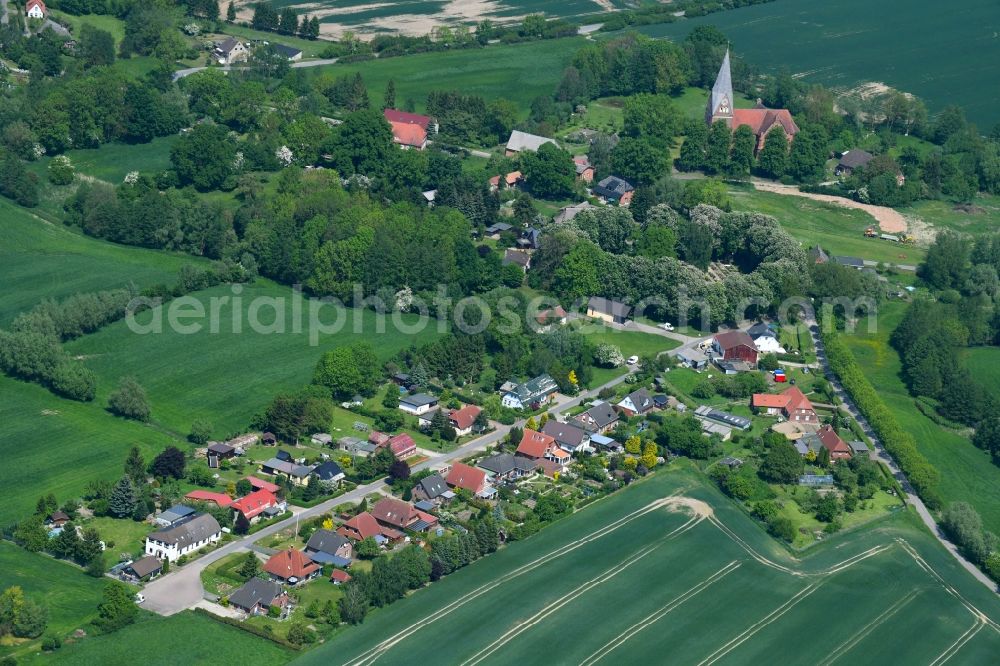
(292, 567)
(635, 403)
(429, 196)
(600, 418)
(356, 447)
(339, 577)
(364, 526)
(464, 420)
(432, 488)
(521, 141)
(257, 596)
(838, 448)
(607, 310)
(418, 403)
(550, 317)
(567, 213)
(328, 472)
(379, 439)
(144, 569)
(851, 160)
(174, 515)
(221, 500)
(261, 484)
(231, 50)
(569, 437)
(57, 519)
(693, 357)
(614, 190)
(430, 125)
(400, 515)
(735, 346)
(470, 478)
(402, 446)
(817, 255)
(179, 540)
(529, 239)
(531, 394)
(791, 403)
(584, 169)
(294, 472)
(408, 135)
(255, 504)
(519, 258)
(538, 446)
(219, 451)
(289, 53)
(765, 338)
(494, 230)
(725, 418)
(512, 180)
(328, 547)
(32, 8)
(857, 263)
(506, 467)
(426, 420)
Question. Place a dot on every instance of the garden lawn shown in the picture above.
(967, 475)
(984, 364)
(838, 230)
(630, 342)
(40, 260)
(122, 535)
(669, 576)
(111, 162)
(186, 638)
(984, 218)
(53, 445)
(228, 376)
(70, 596)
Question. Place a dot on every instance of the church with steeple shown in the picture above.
(759, 119)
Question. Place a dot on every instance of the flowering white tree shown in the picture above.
(284, 155)
(132, 177)
(404, 299)
(238, 161)
(609, 355)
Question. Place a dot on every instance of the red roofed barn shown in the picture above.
(402, 446)
(736, 346)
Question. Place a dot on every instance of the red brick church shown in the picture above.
(759, 119)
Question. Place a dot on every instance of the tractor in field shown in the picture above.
(870, 232)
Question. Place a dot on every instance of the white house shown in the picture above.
(418, 403)
(231, 50)
(175, 542)
(35, 9)
(531, 394)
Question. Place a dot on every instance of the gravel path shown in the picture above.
(889, 220)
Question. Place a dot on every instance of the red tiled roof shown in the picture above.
(731, 339)
(513, 177)
(769, 400)
(465, 417)
(797, 399)
(395, 512)
(554, 313)
(464, 476)
(394, 116)
(340, 576)
(401, 444)
(254, 503)
(31, 3)
(556, 452)
(261, 484)
(535, 444)
(362, 525)
(761, 120)
(832, 441)
(378, 438)
(222, 499)
(290, 563)
(407, 134)
(495, 180)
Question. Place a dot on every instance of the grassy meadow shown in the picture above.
(984, 364)
(967, 475)
(670, 576)
(985, 217)
(113, 161)
(836, 229)
(851, 42)
(227, 376)
(40, 260)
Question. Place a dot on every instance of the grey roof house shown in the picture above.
(851, 160)
(531, 393)
(608, 310)
(601, 417)
(328, 547)
(432, 487)
(257, 596)
(520, 141)
(174, 515)
(614, 188)
(503, 466)
(569, 437)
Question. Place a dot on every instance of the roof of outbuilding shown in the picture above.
(519, 141)
(853, 159)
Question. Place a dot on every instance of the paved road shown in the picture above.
(181, 73)
(903, 267)
(883, 456)
(182, 589)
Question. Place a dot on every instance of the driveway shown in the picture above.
(181, 73)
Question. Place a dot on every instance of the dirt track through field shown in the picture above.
(889, 220)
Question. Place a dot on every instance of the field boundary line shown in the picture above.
(372, 654)
(955, 647)
(753, 553)
(520, 627)
(771, 617)
(866, 630)
(657, 615)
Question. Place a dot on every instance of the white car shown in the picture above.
(139, 598)
(667, 326)
(632, 360)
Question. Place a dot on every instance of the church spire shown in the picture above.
(720, 102)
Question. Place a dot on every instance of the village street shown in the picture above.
(181, 589)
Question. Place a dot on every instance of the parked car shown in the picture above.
(667, 326)
(632, 360)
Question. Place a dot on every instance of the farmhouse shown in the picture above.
(33, 9)
(531, 394)
(759, 119)
(600, 418)
(505, 467)
(418, 403)
(521, 141)
(257, 596)
(636, 402)
(471, 479)
(328, 547)
(292, 567)
(851, 160)
(607, 310)
(397, 514)
(838, 448)
(569, 437)
(614, 190)
(174, 542)
(735, 346)
(791, 403)
(231, 50)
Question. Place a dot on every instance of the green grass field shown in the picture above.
(186, 638)
(113, 161)
(110, 24)
(630, 342)
(226, 377)
(703, 590)
(40, 260)
(967, 474)
(984, 364)
(70, 596)
(518, 72)
(956, 60)
(985, 219)
(836, 229)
